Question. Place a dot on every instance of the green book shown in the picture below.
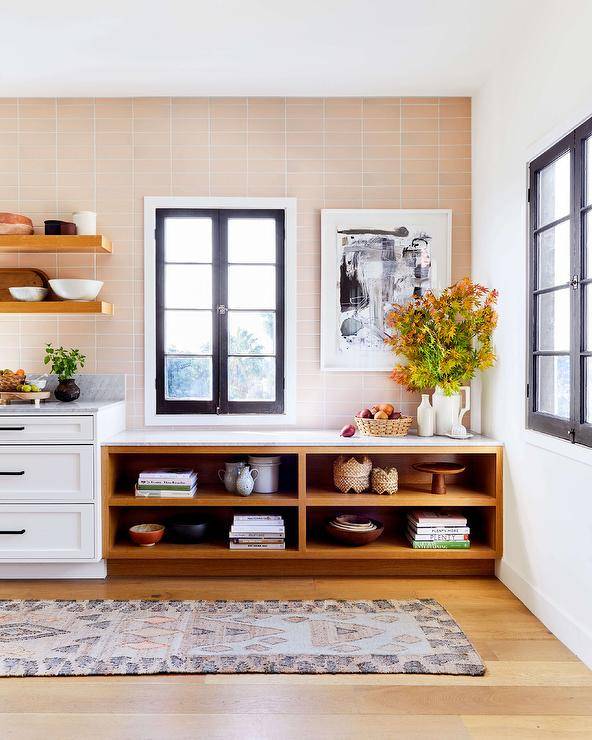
(440, 545)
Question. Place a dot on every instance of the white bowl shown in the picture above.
(28, 293)
(76, 290)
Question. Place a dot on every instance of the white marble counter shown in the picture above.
(283, 438)
(51, 407)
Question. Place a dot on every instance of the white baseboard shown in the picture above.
(573, 634)
(53, 570)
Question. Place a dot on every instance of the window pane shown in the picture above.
(553, 320)
(188, 332)
(553, 385)
(554, 190)
(188, 286)
(251, 332)
(553, 256)
(587, 256)
(588, 317)
(588, 376)
(251, 240)
(188, 240)
(588, 165)
(251, 287)
(251, 379)
(188, 378)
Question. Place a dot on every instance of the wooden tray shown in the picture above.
(20, 277)
(7, 397)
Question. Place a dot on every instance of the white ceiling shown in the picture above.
(253, 47)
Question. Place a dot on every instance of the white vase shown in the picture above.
(447, 408)
(246, 481)
(425, 417)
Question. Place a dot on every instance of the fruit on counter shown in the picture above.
(381, 415)
(364, 414)
(28, 388)
(7, 371)
(388, 408)
(379, 411)
(395, 415)
(348, 431)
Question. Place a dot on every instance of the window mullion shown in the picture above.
(222, 313)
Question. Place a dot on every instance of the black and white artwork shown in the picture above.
(372, 260)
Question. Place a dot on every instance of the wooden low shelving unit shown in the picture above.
(57, 307)
(306, 499)
(39, 243)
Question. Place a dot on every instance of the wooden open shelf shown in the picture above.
(37, 243)
(307, 498)
(57, 307)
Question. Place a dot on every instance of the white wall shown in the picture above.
(537, 92)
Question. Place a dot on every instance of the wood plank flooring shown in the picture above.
(534, 687)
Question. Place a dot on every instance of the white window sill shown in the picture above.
(213, 420)
(559, 446)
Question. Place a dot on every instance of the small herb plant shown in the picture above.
(64, 362)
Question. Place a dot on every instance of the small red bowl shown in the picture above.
(146, 535)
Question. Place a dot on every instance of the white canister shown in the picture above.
(268, 478)
(86, 222)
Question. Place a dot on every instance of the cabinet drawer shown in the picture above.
(51, 532)
(46, 428)
(46, 473)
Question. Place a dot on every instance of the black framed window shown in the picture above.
(560, 284)
(219, 311)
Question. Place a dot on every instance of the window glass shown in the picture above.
(553, 320)
(188, 239)
(554, 190)
(188, 286)
(251, 379)
(251, 239)
(251, 332)
(188, 332)
(188, 378)
(553, 256)
(251, 286)
(553, 385)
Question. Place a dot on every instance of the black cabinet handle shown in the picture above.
(12, 531)
(12, 429)
(12, 472)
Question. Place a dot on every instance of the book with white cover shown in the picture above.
(257, 518)
(439, 530)
(175, 475)
(166, 493)
(437, 518)
(259, 533)
(257, 546)
(436, 537)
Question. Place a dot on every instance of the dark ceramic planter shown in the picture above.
(67, 390)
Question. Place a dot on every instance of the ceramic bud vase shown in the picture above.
(447, 409)
(245, 481)
(67, 390)
(425, 417)
(229, 475)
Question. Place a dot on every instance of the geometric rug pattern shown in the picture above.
(104, 637)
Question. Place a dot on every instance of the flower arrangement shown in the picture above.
(444, 339)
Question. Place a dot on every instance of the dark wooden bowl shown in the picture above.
(354, 539)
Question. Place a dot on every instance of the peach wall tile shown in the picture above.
(106, 154)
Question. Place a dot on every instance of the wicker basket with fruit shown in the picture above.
(381, 420)
(10, 381)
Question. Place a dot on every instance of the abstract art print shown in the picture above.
(372, 259)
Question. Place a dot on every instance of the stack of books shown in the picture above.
(167, 483)
(438, 530)
(257, 532)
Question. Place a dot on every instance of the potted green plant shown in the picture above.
(64, 363)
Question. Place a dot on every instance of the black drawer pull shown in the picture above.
(12, 472)
(12, 429)
(12, 531)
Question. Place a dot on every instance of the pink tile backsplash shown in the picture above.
(60, 155)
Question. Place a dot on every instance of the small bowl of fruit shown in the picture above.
(382, 420)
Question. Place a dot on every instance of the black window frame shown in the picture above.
(574, 429)
(220, 404)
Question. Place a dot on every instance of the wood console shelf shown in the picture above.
(38, 243)
(307, 498)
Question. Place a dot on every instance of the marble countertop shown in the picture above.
(51, 407)
(282, 438)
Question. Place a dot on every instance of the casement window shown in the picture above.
(560, 285)
(219, 294)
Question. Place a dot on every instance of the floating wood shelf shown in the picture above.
(57, 307)
(307, 499)
(36, 243)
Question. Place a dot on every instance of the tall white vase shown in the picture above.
(425, 417)
(447, 408)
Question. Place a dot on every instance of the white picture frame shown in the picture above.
(339, 354)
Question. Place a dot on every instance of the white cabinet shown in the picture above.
(28, 428)
(46, 473)
(47, 532)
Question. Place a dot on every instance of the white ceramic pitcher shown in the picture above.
(448, 409)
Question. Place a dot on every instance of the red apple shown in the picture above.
(395, 415)
(348, 431)
(364, 414)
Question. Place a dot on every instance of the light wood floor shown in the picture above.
(534, 687)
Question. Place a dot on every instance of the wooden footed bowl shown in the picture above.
(439, 471)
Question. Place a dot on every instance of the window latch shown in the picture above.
(571, 433)
(574, 282)
(221, 310)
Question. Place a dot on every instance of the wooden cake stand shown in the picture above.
(439, 470)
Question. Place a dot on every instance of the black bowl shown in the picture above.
(187, 529)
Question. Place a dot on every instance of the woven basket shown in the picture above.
(384, 427)
(10, 382)
(351, 475)
(385, 481)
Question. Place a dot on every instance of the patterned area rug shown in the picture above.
(77, 638)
